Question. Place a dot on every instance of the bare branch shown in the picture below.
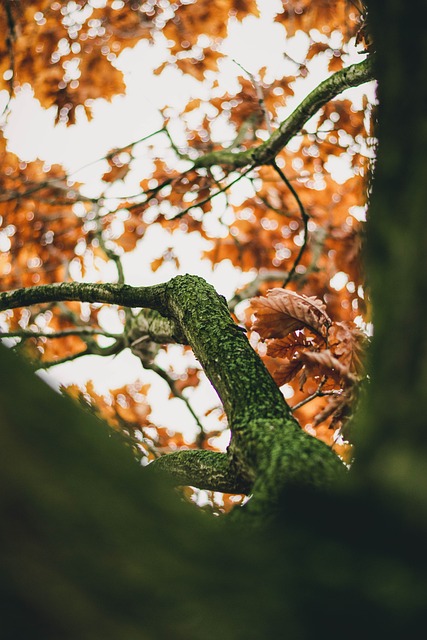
(260, 96)
(304, 217)
(211, 195)
(251, 289)
(317, 394)
(177, 394)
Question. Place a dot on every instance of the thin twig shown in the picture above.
(317, 394)
(252, 288)
(177, 394)
(355, 5)
(53, 363)
(181, 156)
(114, 152)
(304, 216)
(211, 196)
(92, 344)
(91, 350)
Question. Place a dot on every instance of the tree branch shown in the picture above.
(223, 189)
(304, 218)
(177, 394)
(252, 288)
(76, 331)
(352, 76)
(120, 294)
(202, 469)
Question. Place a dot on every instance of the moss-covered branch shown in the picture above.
(120, 294)
(267, 445)
(352, 76)
(203, 469)
(191, 304)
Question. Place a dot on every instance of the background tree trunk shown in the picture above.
(393, 426)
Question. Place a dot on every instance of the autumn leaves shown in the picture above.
(309, 351)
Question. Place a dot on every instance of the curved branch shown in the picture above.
(150, 325)
(352, 76)
(121, 294)
(191, 303)
(304, 217)
(177, 394)
(202, 469)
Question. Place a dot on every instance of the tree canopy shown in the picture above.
(257, 176)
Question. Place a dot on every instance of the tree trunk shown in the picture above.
(393, 427)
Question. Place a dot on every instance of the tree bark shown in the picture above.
(393, 434)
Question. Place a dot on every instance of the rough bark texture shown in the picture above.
(204, 469)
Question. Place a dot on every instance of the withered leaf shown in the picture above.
(338, 407)
(287, 371)
(288, 346)
(324, 363)
(281, 312)
(349, 344)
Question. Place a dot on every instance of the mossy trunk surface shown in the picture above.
(268, 449)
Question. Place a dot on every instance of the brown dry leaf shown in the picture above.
(324, 15)
(335, 63)
(191, 380)
(338, 407)
(316, 48)
(241, 8)
(117, 167)
(345, 451)
(348, 343)
(167, 256)
(287, 347)
(332, 404)
(287, 371)
(284, 311)
(324, 363)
